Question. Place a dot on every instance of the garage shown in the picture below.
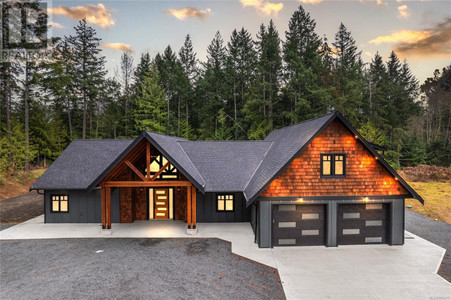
(298, 225)
(362, 224)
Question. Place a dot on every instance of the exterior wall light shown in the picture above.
(301, 200)
(356, 136)
(396, 178)
(365, 199)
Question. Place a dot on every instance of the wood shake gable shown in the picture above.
(365, 174)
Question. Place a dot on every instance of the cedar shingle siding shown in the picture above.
(364, 174)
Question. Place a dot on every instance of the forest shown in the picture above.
(244, 89)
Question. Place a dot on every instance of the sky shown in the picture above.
(418, 31)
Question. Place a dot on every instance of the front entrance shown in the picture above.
(161, 199)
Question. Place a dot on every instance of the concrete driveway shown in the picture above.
(345, 272)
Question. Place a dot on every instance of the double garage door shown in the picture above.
(305, 225)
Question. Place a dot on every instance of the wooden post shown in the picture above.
(108, 208)
(188, 205)
(193, 199)
(148, 160)
(103, 206)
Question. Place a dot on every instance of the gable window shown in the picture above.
(333, 165)
(158, 162)
(224, 202)
(60, 203)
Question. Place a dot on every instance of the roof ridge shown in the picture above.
(168, 135)
(305, 121)
(218, 141)
(90, 140)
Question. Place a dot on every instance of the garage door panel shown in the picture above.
(362, 223)
(300, 225)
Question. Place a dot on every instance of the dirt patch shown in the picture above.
(426, 173)
(19, 183)
(21, 208)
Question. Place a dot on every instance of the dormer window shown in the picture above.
(333, 165)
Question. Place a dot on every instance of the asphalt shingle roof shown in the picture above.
(287, 142)
(80, 164)
(226, 165)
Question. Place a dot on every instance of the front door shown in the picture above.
(161, 198)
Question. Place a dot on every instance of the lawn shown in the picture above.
(437, 200)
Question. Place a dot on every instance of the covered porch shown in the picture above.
(151, 187)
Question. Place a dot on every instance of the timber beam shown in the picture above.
(155, 183)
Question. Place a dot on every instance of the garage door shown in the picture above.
(362, 224)
(298, 225)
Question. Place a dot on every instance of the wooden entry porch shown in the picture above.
(144, 167)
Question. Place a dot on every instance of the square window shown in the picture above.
(333, 165)
(59, 203)
(224, 203)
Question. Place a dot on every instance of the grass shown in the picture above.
(437, 200)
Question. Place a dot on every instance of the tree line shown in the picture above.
(244, 89)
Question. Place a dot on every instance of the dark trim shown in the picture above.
(332, 165)
(371, 197)
(252, 199)
(225, 194)
(59, 204)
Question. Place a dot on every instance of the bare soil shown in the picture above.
(20, 208)
(19, 183)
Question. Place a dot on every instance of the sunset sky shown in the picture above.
(419, 31)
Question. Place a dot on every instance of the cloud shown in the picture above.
(368, 53)
(118, 46)
(55, 25)
(310, 1)
(264, 7)
(189, 12)
(94, 14)
(435, 41)
(403, 11)
(380, 3)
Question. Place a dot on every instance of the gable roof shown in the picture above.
(288, 143)
(80, 164)
(226, 165)
(212, 166)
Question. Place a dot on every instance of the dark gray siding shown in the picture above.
(206, 209)
(84, 207)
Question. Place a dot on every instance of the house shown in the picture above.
(314, 183)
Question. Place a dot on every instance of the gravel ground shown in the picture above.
(21, 208)
(132, 268)
(434, 231)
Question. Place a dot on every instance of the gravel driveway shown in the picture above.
(434, 231)
(132, 268)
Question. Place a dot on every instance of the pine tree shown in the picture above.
(306, 97)
(89, 69)
(211, 88)
(150, 107)
(126, 80)
(349, 73)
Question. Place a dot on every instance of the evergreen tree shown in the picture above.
(89, 70)
(305, 96)
(126, 79)
(150, 107)
(211, 87)
(349, 73)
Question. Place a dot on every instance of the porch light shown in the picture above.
(365, 199)
(301, 200)
(396, 178)
(376, 158)
(356, 136)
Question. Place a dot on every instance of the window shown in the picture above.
(60, 203)
(224, 202)
(333, 165)
(158, 162)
